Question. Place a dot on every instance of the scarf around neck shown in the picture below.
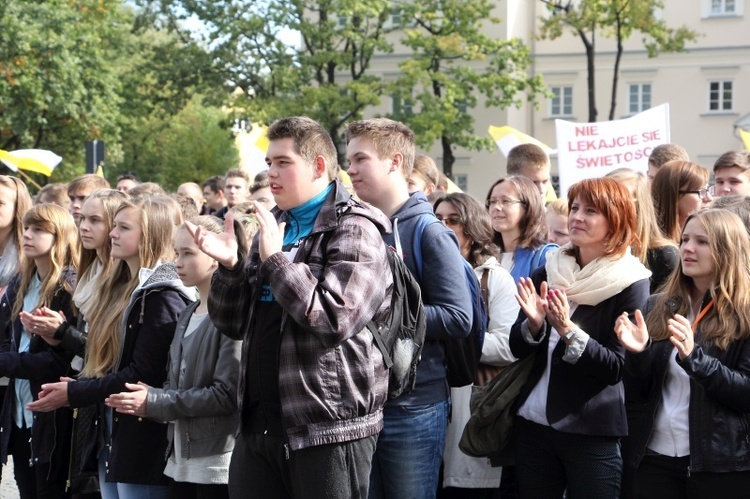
(601, 279)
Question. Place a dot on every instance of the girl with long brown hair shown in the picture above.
(689, 368)
(47, 276)
(130, 330)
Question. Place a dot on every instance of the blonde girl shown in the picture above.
(47, 275)
(656, 252)
(15, 201)
(199, 399)
(95, 223)
(130, 330)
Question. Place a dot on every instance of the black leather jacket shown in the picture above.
(719, 403)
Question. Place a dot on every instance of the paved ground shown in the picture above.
(8, 488)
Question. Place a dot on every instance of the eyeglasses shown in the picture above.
(703, 193)
(504, 202)
(451, 220)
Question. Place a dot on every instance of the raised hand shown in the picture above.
(634, 337)
(271, 238)
(221, 247)
(532, 303)
(682, 335)
(558, 310)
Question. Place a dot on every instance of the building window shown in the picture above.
(401, 106)
(396, 17)
(462, 181)
(722, 8)
(639, 97)
(561, 103)
(719, 7)
(720, 96)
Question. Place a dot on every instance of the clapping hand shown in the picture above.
(682, 335)
(532, 303)
(634, 337)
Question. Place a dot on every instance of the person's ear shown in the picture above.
(397, 162)
(319, 167)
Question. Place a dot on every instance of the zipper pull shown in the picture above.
(688, 470)
(286, 451)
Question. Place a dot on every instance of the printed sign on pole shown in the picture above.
(591, 150)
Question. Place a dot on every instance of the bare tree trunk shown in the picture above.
(590, 70)
(616, 75)
(448, 158)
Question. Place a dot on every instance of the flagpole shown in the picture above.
(29, 179)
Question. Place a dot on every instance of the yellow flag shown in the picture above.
(745, 136)
(32, 160)
(506, 138)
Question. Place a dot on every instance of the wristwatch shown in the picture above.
(569, 335)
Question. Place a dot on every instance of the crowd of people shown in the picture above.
(216, 342)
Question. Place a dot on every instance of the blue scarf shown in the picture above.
(302, 218)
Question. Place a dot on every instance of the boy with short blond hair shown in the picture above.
(410, 447)
(530, 161)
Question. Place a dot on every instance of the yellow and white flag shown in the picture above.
(745, 136)
(32, 160)
(506, 138)
(252, 146)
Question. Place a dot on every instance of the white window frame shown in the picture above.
(722, 8)
(719, 89)
(643, 99)
(557, 109)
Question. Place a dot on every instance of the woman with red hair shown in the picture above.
(570, 412)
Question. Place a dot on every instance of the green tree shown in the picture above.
(161, 74)
(189, 146)
(453, 64)
(323, 73)
(618, 19)
(57, 88)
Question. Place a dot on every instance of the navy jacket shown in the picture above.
(139, 444)
(586, 397)
(50, 432)
(445, 293)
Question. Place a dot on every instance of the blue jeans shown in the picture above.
(112, 490)
(407, 458)
(549, 461)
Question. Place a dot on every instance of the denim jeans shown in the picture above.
(409, 452)
(111, 490)
(549, 461)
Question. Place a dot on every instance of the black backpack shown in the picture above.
(402, 337)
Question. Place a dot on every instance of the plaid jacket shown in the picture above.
(332, 379)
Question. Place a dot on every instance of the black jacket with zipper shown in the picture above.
(50, 431)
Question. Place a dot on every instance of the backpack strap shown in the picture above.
(423, 222)
(486, 292)
(538, 255)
